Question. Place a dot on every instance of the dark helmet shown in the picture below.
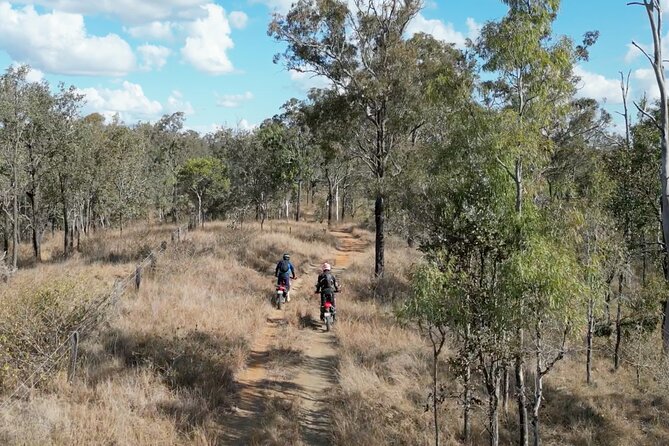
(286, 257)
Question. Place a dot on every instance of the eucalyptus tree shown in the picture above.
(125, 173)
(361, 48)
(533, 88)
(53, 121)
(654, 11)
(301, 143)
(167, 153)
(330, 117)
(204, 180)
(14, 122)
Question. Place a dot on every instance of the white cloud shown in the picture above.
(176, 103)
(474, 28)
(129, 11)
(307, 81)
(129, 102)
(632, 53)
(280, 6)
(154, 30)
(238, 19)
(596, 86)
(243, 124)
(153, 57)
(234, 100)
(35, 75)
(444, 31)
(209, 41)
(645, 79)
(59, 43)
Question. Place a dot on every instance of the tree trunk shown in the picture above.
(435, 398)
(200, 221)
(654, 12)
(33, 198)
(591, 329)
(66, 231)
(37, 244)
(505, 388)
(380, 219)
(619, 334)
(298, 206)
(344, 201)
(175, 200)
(15, 231)
(538, 386)
(329, 206)
(5, 231)
(337, 202)
(467, 430)
(520, 392)
(493, 412)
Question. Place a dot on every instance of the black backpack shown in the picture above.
(326, 281)
(284, 266)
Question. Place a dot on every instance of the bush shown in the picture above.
(35, 321)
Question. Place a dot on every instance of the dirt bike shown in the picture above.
(281, 295)
(329, 312)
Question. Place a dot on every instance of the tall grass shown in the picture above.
(163, 370)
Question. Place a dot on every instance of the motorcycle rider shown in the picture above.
(327, 286)
(283, 272)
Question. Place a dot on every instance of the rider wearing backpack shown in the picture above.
(327, 286)
(283, 272)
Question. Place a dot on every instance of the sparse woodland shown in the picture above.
(515, 286)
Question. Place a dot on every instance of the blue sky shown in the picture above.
(213, 59)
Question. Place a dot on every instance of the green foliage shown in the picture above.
(429, 301)
(547, 275)
(205, 181)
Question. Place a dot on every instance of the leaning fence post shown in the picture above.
(154, 262)
(74, 351)
(138, 276)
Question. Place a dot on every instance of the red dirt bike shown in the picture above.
(281, 296)
(328, 310)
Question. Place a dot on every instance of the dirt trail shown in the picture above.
(309, 379)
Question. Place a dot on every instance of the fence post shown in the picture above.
(74, 351)
(154, 262)
(138, 276)
(179, 234)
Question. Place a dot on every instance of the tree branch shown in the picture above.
(645, 53)
(649, 116)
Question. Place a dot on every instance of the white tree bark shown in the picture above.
(654, 11)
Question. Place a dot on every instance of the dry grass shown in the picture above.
(162, 371)
(383, 367)
(384, 380)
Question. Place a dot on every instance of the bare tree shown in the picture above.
(654, 12)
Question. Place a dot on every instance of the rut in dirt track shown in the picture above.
(308, 384)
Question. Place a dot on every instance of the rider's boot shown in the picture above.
(287, 296)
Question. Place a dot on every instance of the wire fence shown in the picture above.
(95, 313)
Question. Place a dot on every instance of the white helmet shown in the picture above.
(326, 267)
